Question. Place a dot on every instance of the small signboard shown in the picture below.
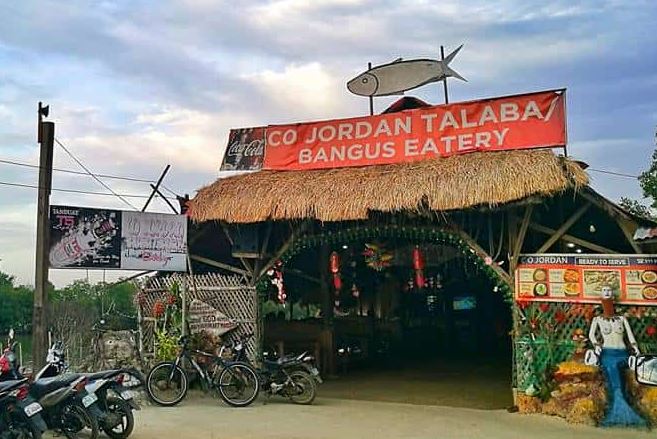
(245, 150)
(580, 278)
(90, 238)
(205, 317)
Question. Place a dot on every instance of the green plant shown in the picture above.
(166, 345)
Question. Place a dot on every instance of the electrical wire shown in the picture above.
(70, 171)
(92, 174)
(618, 174)
(75, 191)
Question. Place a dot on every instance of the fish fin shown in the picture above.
(398, 60)
(449, 58)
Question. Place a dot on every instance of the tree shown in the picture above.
(635, 207)
(17, 301)
(648, 183)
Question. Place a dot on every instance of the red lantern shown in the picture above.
(418, 266)
(418, 260)
(334, 263)
(334, 267)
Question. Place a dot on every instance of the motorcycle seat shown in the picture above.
(285, 361)
(47, 385)
(102, 375)
(6, 386)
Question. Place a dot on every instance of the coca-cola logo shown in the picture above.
(254, 148)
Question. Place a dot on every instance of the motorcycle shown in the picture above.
(112, 390)
(19, 413)
(294, 377)
(65, 404)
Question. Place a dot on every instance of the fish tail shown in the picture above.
(449, 71)
(454, 74)
(449, 58)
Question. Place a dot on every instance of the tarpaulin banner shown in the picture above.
(91, 238)
(580, 278)
(535, 120)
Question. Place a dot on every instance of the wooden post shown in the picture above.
(183, 295)
(47, 138)
(327, 311)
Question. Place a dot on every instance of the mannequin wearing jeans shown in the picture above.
(613, 359)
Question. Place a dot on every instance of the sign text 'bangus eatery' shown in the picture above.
(535, 120)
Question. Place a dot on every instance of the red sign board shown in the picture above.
(535, 120)
(580, 278)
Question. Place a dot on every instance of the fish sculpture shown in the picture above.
(399, 76)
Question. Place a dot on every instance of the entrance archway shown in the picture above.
(306, 250)
(417, 233)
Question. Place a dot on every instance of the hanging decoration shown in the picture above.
(418, 266)
(417, 233)
(276, 278)
(334, 268)
(355, 292)
(377, 257)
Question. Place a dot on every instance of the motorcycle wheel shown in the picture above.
(238, 384)
(304, 390)
(21, 427)
(77, 422)
(166, 376)
(117, 406)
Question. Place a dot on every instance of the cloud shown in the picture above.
(135, 85)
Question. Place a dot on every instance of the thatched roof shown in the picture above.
(457, 182)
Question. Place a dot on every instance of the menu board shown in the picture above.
(580, 278)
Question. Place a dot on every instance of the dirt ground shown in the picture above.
(344, 419)
(443, 383)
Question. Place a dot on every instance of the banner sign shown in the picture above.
(535, 120)
(112, 239)
(205, 317)
(245, 150)
(580, 278)
(153, 241)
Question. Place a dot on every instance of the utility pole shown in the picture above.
(46, 137)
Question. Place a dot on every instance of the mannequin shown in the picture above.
(613, 355)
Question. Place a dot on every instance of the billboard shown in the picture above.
(535, 120)
(580, 278)
(91, 238)
(245, 150)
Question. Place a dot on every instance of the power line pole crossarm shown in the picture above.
(46, 137)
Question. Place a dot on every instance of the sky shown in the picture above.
(134, 85)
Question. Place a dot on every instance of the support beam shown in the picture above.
(573, 239)
(217, 264)
(293, 237)
(558, 234)
(482, 254)
(524, 225)
(628, 235)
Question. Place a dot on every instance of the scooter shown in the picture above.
(294, 377)
(112, 390)
(65, 404)
(19, 413)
